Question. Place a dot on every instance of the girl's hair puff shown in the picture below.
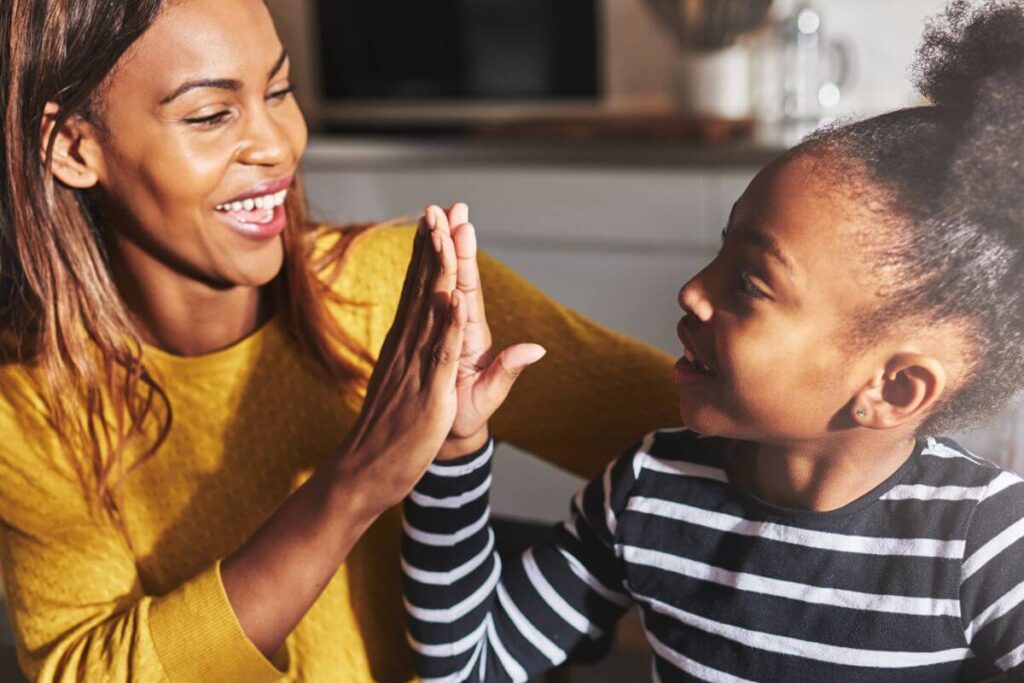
(951, 178)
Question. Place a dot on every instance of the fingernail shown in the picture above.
(435, 237)
(431, 219)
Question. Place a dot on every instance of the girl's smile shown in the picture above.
(691, 368)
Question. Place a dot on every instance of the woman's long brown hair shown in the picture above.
(60, 311)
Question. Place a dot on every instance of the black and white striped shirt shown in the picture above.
(920, 580)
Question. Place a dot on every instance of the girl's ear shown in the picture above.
(906, 390)
(76, 152)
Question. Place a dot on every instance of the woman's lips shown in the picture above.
(257, 224)
(257, 217)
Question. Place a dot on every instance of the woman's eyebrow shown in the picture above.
(220, 83)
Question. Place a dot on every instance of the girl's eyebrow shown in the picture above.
(220, 83)
(770, 245)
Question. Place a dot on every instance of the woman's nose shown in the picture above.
(693, 298)
(266, 144)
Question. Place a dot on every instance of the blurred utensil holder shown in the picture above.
(713, 84)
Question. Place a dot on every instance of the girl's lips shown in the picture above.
(687, 372)
(258, 224)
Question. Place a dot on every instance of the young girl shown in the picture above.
(868, 296)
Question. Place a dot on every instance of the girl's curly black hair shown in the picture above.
(951, 179)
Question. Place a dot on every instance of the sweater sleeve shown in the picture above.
(992, 588)
(78, 606)
(470, 617)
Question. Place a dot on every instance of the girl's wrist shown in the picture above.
(457, 447)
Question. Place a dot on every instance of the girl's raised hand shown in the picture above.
(411, 403)
(484, 379)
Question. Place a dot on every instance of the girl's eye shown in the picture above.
(208, 121)
(749, 289)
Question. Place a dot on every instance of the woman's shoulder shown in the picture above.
(363, 260)
(364, 243)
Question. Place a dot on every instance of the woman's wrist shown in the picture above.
(457, 447)
(354, 493)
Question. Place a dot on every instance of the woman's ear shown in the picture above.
(76, 154)
(906, 390)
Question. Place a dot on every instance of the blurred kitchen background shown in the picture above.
(599, 143)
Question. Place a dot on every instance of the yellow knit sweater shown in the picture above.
(249, 424)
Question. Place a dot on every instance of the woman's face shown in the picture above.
(201, 140)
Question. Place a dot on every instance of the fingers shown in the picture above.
(468, 277)
(443, 283)
(445, 280)
(458, 213)
(444, 361)
(501, 374)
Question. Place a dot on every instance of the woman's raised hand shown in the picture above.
(432, 390)
(484, 379)
(411, 402)
(274, 577)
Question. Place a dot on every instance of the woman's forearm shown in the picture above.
(273, 579)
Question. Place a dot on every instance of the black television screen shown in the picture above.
(486, 50)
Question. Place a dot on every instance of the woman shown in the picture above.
(184, 471)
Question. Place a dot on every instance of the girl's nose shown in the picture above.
(693, 298)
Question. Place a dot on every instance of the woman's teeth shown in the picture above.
(269, 201)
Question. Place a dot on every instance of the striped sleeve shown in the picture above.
(992, 577)
(473, 619)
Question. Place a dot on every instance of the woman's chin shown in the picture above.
(259, 268)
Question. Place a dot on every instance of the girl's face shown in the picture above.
(197, 119)
(768, 316)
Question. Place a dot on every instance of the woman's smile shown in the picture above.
(259, 212)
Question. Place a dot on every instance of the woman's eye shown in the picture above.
(281, 94)
(749, 289)
(208, 121)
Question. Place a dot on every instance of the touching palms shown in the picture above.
(484, 380)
